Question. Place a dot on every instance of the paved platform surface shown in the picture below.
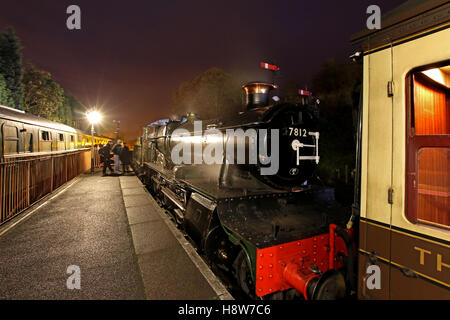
(111, 228)
(169, 266)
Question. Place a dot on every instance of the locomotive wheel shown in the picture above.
(244, 275)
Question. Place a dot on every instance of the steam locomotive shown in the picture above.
(257, 212)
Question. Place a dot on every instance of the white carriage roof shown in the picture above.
(21, 116)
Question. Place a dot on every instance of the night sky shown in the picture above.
(130, 56)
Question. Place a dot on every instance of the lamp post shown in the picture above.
(93, 117)
(117, 128)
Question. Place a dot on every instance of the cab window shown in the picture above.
(161, 131)
(150, 132)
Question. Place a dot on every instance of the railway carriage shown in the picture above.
(36, 157)
(405, 154)
(23, 134)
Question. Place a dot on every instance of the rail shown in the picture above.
(25, 179)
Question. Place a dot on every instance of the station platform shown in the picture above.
(123, 243)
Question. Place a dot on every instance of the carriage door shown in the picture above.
(421, 220)
(376, 177)
(10, 135)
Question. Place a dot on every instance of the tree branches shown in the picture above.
(11, 70)
(43, 95)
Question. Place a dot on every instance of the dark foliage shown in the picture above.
(11, 68)
(42, 94)
(5, 93)
(336, 85)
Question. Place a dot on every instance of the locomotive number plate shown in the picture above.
(297, 132)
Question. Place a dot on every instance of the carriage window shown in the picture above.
(72, 138)
(433, 185)
(29, 142)
(45, 136)
(431, 113)
(428, 165)
(60, 136)
(11, 139)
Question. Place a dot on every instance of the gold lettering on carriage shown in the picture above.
(439, 258)
(440, 264)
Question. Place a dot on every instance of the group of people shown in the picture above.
(115, 153)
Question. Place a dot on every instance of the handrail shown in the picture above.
(25, 180)
(37, 154)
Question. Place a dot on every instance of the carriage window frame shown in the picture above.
(48, 136)
(415, 144)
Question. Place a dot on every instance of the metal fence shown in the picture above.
(26, 179)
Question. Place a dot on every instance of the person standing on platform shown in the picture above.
(125, 158)
(105, 157)
(116, 150)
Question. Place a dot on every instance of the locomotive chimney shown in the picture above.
(257, 94)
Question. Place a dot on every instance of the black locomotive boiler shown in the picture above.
(262, 219)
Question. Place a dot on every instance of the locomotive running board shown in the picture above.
(272, 219)
(172, 197)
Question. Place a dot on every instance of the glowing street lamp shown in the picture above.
(93, 117)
